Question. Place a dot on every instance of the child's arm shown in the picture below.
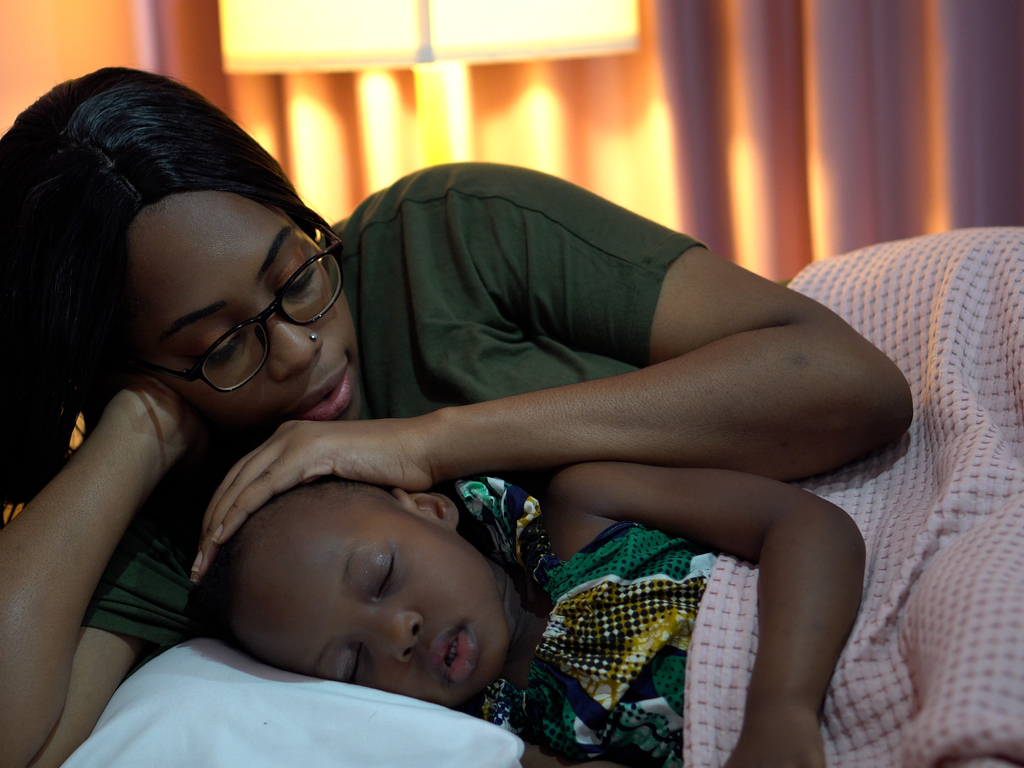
(811, 562)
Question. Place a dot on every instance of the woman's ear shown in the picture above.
(433, 506)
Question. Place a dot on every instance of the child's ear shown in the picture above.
(433, 506)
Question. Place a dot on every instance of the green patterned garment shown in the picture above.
(607, 678)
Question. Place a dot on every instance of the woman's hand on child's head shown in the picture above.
(385, 452)
(785, 737)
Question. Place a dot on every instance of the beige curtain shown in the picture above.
(775, 130)
(809, 128)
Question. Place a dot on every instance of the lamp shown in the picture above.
(437, 38)
(262, 36)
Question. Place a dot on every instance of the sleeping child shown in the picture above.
(570, 627)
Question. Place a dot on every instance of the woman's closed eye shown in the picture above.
(303, 282)
(225, 351)
(296, 257)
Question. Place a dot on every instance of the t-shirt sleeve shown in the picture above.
(552, 258)
(144, 590)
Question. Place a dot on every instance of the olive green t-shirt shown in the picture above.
(467, 282)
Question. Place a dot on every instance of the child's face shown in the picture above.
(376, 589)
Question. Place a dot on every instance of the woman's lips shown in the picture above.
(331, 404)
(454, 655)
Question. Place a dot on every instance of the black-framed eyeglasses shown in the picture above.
(237, 356)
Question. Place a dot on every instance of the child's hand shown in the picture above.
(787, 738)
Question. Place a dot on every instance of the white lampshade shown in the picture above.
(338, 35)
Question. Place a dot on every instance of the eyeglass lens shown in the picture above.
(239, 356)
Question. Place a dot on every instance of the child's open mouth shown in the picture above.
(454, 655)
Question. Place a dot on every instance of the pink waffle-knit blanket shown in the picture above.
(933, 674)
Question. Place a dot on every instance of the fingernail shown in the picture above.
(198, 563)
(217, 533)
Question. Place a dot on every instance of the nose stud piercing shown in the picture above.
(313, 337)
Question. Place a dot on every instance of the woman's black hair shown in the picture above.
(75, 169)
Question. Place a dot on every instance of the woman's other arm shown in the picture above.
(101, 661)
(744, 375)
(51, 558)
(810, 558)
(787, 388)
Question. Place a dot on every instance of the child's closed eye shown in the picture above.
(388, 577)
(370, 571)
(350, 677)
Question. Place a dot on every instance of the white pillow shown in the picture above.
(205, 704)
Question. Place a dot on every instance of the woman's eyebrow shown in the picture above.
(199, 314)
(275, 248)
(192, 317)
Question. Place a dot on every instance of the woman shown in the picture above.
(160, 273)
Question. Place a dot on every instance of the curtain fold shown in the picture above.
(777, 131)
(875, 135)
(981, 47)
(735, 79)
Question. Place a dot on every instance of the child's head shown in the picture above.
(349, 582)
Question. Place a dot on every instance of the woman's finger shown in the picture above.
(277, 478)
(212, 531)
(266, 475)
(269, 451)
(252, 498)
(224, 488)
(286, 453)
(245, 475)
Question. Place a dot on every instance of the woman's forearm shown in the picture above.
(51, 558)
(777, 401)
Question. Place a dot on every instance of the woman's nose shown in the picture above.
(292, 348)
(404, 634)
